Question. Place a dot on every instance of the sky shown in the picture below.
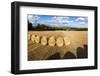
(59, 21)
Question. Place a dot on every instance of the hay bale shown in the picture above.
(44, 40)
(29, 36)
(66, 41)
(37, 39)
(51, 41)
(33, 38)
(59, 42)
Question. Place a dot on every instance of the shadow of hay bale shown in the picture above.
(55, 56)
(69, 55)
(82, 52)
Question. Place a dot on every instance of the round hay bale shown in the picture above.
(51, 41)
(44, 40)
(33, 38)
(29, 36)
(59, 42)
(37, 39)
(66, 41)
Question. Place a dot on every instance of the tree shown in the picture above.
(29, 26)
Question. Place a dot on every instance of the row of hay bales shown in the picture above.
(51, 41)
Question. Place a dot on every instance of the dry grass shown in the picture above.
(40, 52)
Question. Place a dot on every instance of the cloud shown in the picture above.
(32, 18)
(80, 19)
(82, 23)
(60, 20)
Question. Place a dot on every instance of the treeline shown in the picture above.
(43, 27)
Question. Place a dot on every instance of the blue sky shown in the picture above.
(59, 21)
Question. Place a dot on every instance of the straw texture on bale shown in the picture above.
(51, 41)
(29, 36)
(59, 41)
(66, 41)
(33, 38)
(37, 39)
(44, 40)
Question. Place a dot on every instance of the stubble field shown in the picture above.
(36, 51)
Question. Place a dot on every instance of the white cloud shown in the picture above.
(57, 19)
(60, 18)
(80, 19)
(82, 23)
(31, 18)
